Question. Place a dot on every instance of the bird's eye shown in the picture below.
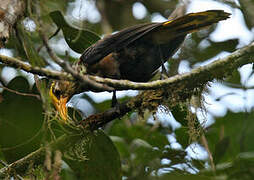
(57, 93)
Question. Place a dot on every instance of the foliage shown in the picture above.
(141, 145)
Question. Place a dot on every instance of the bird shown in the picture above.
(134, 53)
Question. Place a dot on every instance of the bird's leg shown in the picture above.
(164, 72)
(114, 102)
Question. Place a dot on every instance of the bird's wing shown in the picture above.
(115, 42)
(162, 33)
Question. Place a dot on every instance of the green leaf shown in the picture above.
(47, 6)
(21, 119)
(183, 137)
(238, 128)
(180, 113)
(78, 40)
(154, 138)
(220, 149)
(121, 146)
(28, 44)
(239, 169)
(94, 157)
(144, 152)
(234, 79)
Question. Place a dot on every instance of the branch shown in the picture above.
(20, 93)
(52, 74)
(216, 70)
(178, 88)
(18, 64)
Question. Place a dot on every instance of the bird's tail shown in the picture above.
(195, 21)
(190, 23)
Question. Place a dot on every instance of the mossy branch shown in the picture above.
(216, 70)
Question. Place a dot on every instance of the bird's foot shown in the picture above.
(164, 73)
(114, 101)
(115, 104)
(163, 76)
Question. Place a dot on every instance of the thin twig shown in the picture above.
(20, 93)
(205, 144)
(6, 165)
(106, 27)
(16, 63)
(55, 33)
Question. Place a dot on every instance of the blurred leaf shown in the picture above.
(144, 152)
(1, 98)
(121, 146)
(234, 79)
(16, 44)
(25, 45)
(102, 106)
(215, 48)
(238, 128)
(94, 157)
(183, 137)
(163, 7)
(154, 138)
(199, 164)
(200, 48)
(78, 40)
(246, 7)
(239, 169)
(67, 174)
(220, 149)
(21, 119)
(48, 6)
(177, 156)
(180, 113)
(120, 13)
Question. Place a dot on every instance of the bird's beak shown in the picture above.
(60, 105)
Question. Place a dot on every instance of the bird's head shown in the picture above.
(60, 93)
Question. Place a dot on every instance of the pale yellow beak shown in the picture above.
(59, 102)
(61, 107)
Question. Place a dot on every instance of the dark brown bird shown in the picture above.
(134, 53)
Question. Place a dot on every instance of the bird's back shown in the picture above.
(135, 53)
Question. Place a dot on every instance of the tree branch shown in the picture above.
(18, 64)
(216, 70)
(20, 93)
(175, 89)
